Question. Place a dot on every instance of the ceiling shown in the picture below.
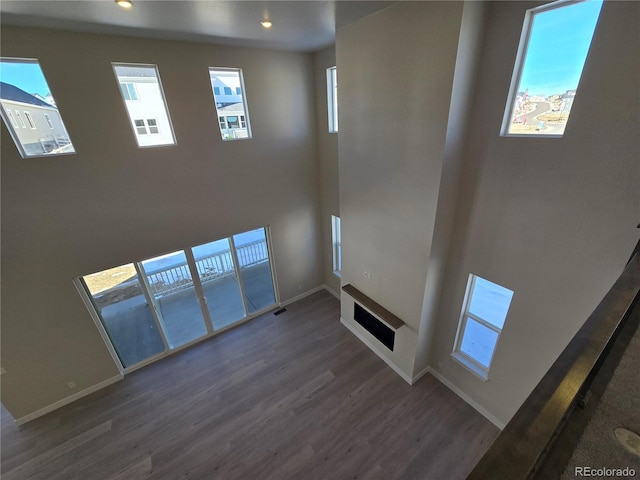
(297, 25)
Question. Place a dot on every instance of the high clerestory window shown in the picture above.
(231, 104)
(25, 92)
(336, 242)
(553, 49)
(332, 99)
(143, 97)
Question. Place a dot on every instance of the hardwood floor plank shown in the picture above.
(139, 471)
(294, 396)
(36, 466)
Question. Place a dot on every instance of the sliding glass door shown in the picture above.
(162, 303)
(170, 283)
(219, 278)
(120, 302)
(255, 268)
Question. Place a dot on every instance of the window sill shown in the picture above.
(337, 274)
(473, 368)
(531, 135)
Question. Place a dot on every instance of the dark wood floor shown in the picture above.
(289, 396)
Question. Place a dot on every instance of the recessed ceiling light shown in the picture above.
(125, 3)
(266, 23)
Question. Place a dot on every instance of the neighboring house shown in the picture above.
(143, 96)
(567, 100)
(36, 123)
(233, 123)
(225, 92)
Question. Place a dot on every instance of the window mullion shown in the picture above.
(236, 263)
(484, 322)
(197, 285)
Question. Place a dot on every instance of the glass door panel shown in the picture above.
(255, 269)
(219, 279)
(171, 288)
(123, 309)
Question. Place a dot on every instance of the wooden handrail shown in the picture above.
(520, 447)
(378, 310)
(635, 250)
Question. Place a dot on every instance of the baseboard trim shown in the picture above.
(309, 292)
(330, 290)
(302, 295)
(375, 350)
(420, 374)
(68, 400)
(481, 410)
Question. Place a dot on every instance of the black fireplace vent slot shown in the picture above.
(374, 326)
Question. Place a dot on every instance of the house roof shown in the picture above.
(11, 92)
(231, 107)
(143, 71)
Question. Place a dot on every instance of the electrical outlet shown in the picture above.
(71, 384)
(2, 371)
(440, 363)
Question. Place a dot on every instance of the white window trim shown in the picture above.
(336, 244)
(48, 119)
(519, 65)
(13, 131)
(332, 103)
(466, 361)
(457, 354)
(164, 102)
(245, 103)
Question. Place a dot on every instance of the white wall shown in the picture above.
(114, 203)
(327, 163)
(395, 79)
(429, 191)
(464, 84)
(552, 219)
